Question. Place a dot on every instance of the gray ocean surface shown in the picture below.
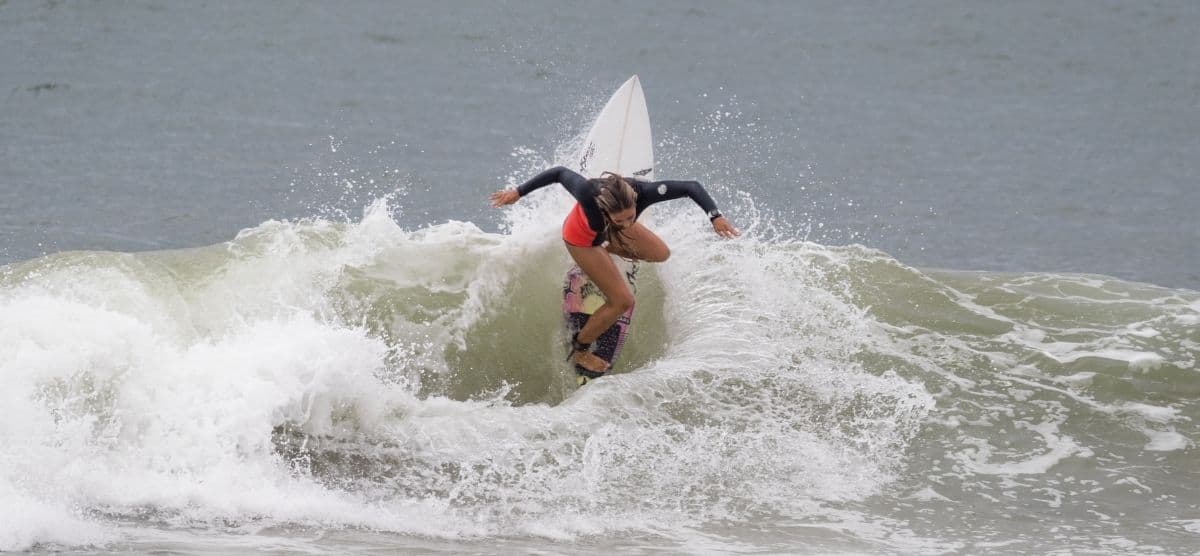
(1019, 137)
(252, 298)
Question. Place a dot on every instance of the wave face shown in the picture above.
(774, 394)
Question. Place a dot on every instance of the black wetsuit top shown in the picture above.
(648, 193)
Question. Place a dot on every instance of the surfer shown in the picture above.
(603, 221)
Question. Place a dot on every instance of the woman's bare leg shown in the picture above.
(645, 243)
(600, 268)
(596, 263)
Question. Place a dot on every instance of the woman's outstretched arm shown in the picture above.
(577, 185)
(666, 190)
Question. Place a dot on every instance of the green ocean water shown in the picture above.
(308, 384)
(252, 297)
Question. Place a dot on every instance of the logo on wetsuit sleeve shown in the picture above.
(662, 189)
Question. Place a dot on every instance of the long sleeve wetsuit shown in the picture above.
(648, 193)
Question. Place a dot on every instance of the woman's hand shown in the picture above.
(505, 197)
(724, 228)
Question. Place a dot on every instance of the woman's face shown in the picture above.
(623, 219)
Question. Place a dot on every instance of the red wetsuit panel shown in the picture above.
(575, 229)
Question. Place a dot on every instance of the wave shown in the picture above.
(361, 375)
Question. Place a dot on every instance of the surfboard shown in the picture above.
(619, 141)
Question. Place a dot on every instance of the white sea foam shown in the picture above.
(1058, 448)
(324, 374)
(27, 521)
(1167, 441)
(211, 385)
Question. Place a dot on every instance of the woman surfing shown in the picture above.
(604, 221)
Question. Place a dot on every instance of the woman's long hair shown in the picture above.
(615, 195)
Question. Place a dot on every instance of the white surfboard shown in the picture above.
(618, 142)
(620, 139)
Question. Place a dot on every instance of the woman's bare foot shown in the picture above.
(589, 361)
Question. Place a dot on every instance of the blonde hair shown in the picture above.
(615, 195)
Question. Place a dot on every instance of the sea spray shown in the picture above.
(324, 374)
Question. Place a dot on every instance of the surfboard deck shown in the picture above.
(619, 141)
(581, 298)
